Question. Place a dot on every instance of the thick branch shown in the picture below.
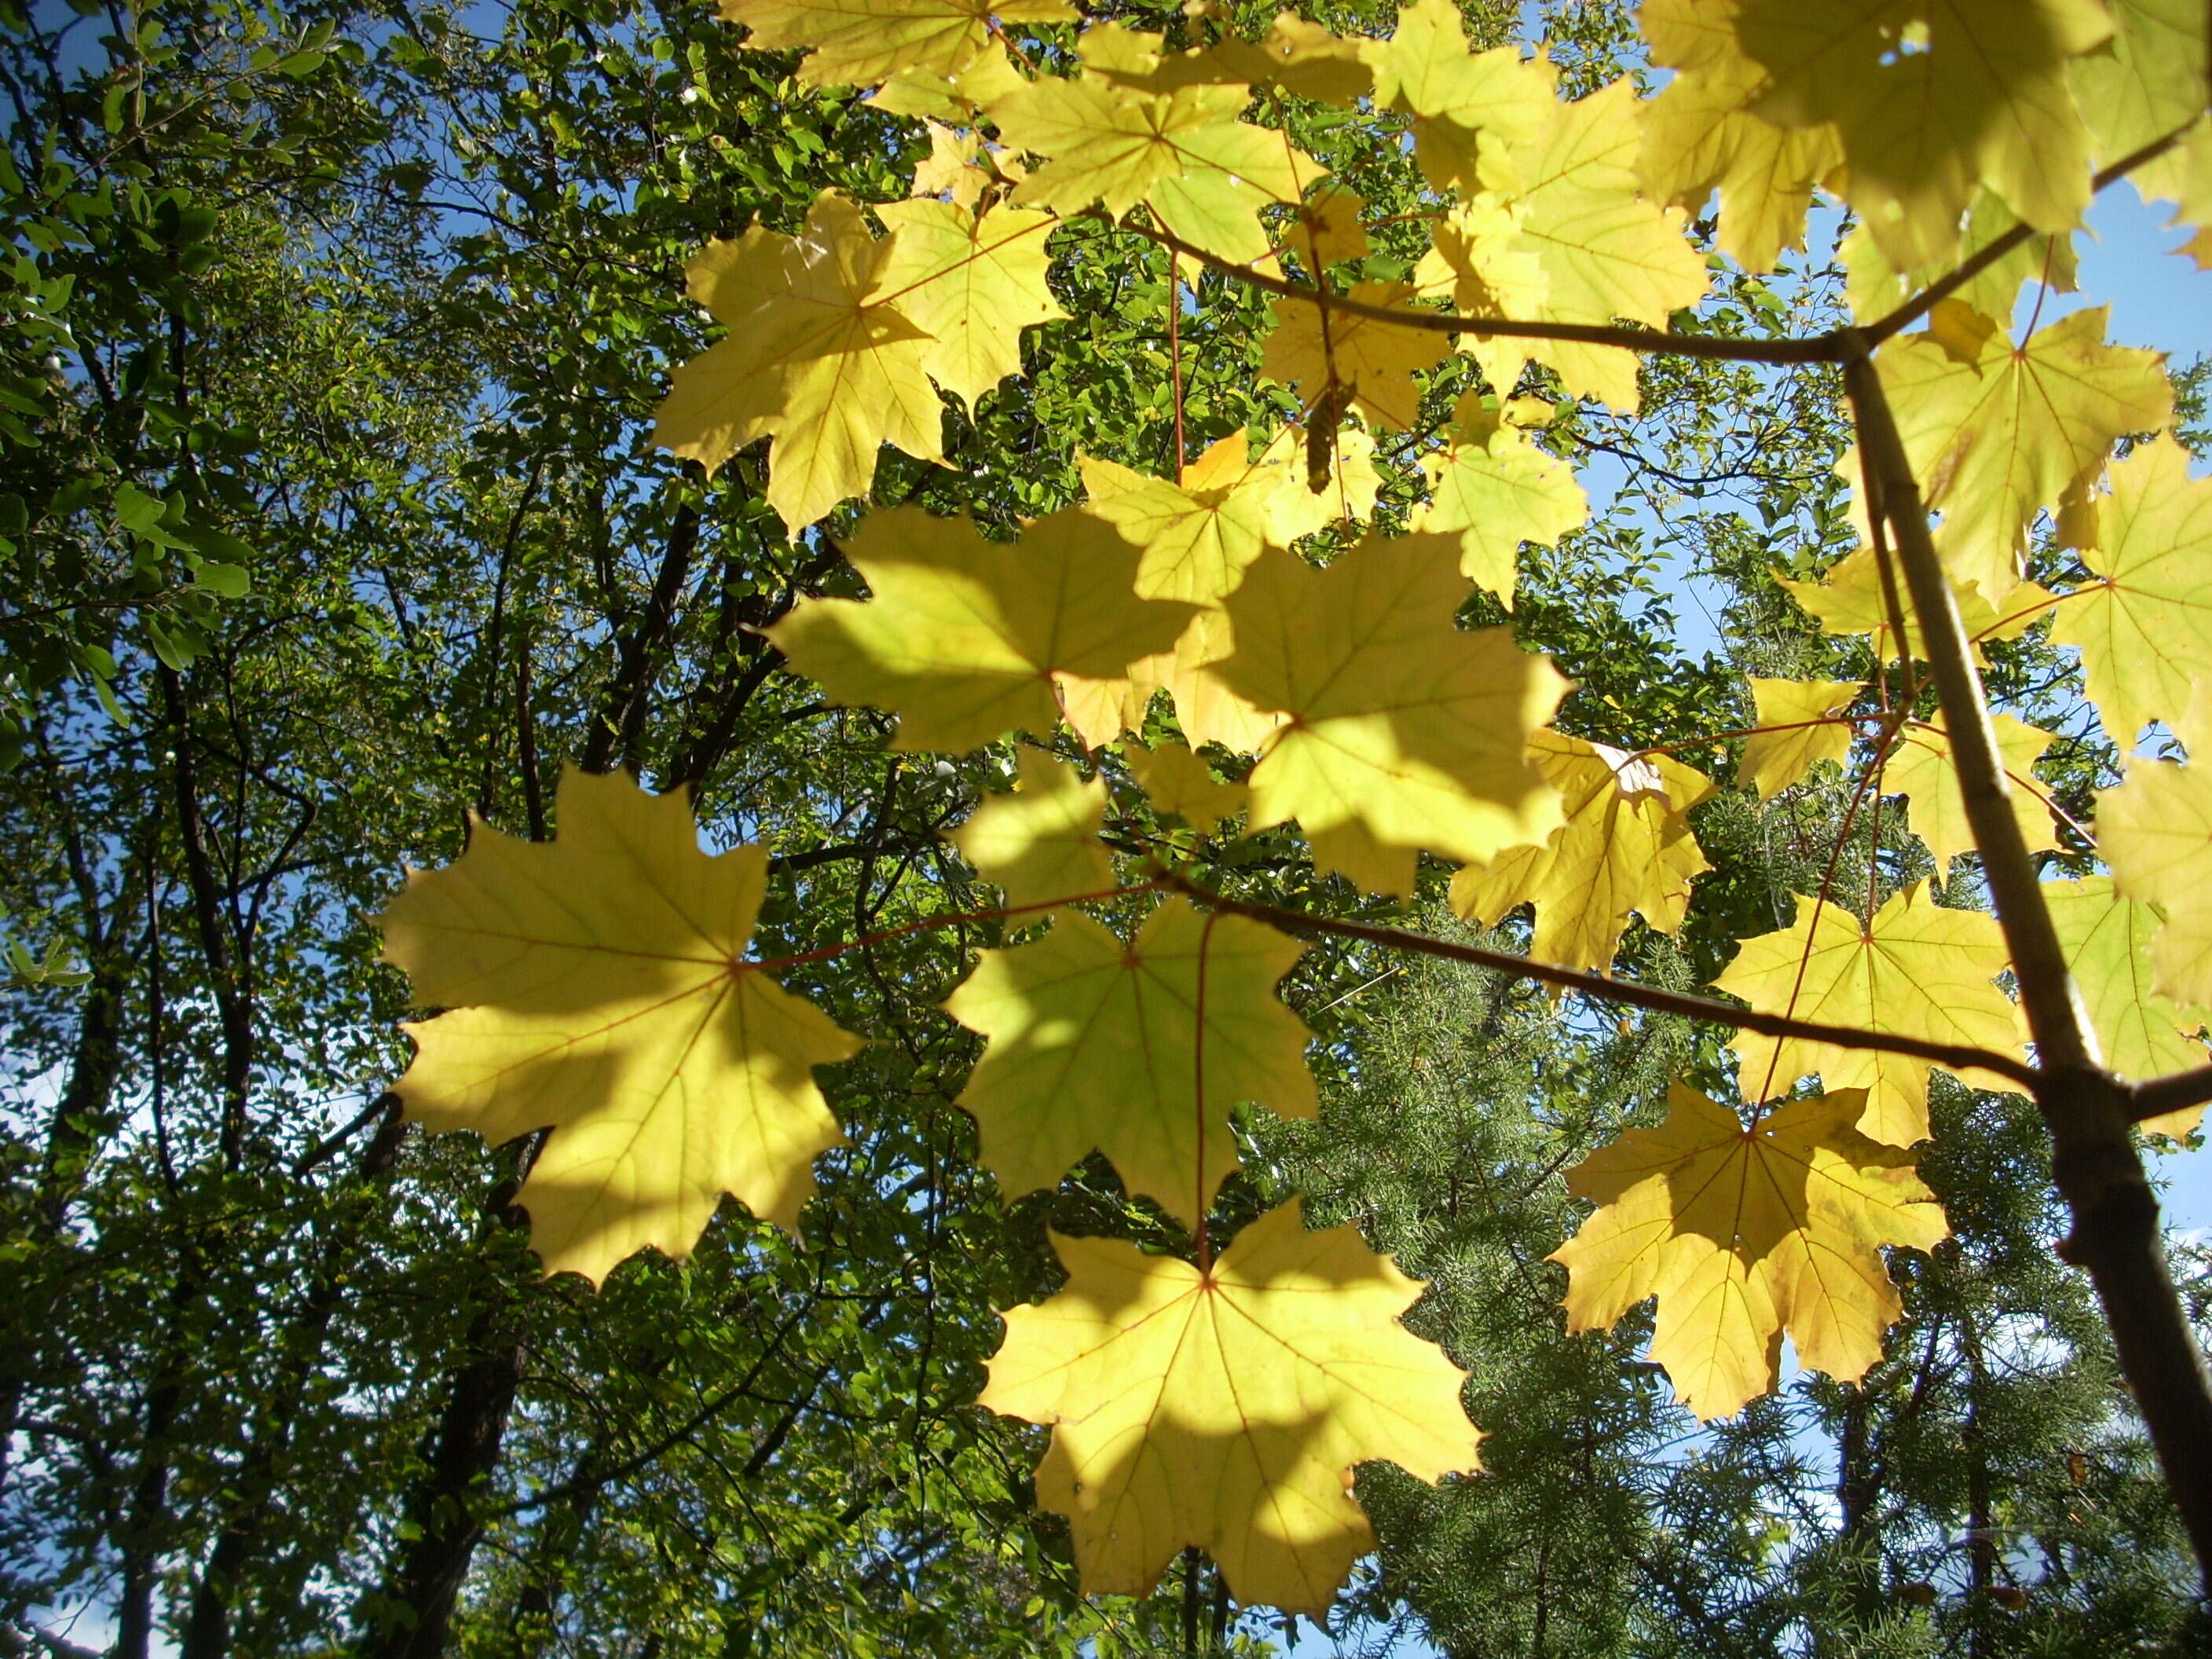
(2115, 1232)
(1959, 1057)
(2170, 1094)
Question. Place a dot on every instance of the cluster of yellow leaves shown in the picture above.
(597, 986)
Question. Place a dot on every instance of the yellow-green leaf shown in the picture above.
(1495, 494)
(2144, 1035)
(1743, 1233)
(1802, 727)
(1096, 1045)
(1319, 350)
(1701, 134)
(860, 42)
(1041, 842)
(596, 985)
(1626, 847)
(973, 285)
(1995, 433)
(1849, 601)
(1228, 1408)
(967, 640)
(1921, 767)
(816, 359)
(1915, 970)
(1404, 732)
(1181, 785)
(1463, 105)
(2155, 832)
(2144, 627)
(1930, 98)
(1183, 153)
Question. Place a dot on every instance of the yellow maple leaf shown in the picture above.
(1228, 1408)
(2144, 627)
(1179, 784)
(1349, 495)
(596, 985)
(1606, 251)
(815, 359)
(959, 98)
(1849, 601)
(1206, 708)
(1802, 730)
(1456, 97)
(1197, 536)
(1319, 350)
(1403, 733)
(1915, 970)
(1328, 231)
(2155, 832)
(859, 43)
(2151, 81)
(1920, 766)
(1994, 432)
(1041, 841)
(973, 285)
(1744, 1233)
(2143, 1034)
(967, 640)
(1625, 846)
(1701, 134)
(1138, 1051)
(1494, 494)
(949, 169)
(1183, 153)
(1931, 97)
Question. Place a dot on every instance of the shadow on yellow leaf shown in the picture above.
(1228, 1409)
(598, 986)
(1743, 1233)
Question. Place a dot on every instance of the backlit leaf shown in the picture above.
(971, 284)
(1182, 153)
(1495, 494)
(1849, 601)
(1915, 970)
(1744, 1234)
(1803, 730)
(1931, 97)
(1228, 1408)
(1179, 784)
(598, 986)
(1318, 351)
(1098, 1045)
(967, 640)
(1995, 433)
(1921, 767)
(861, 42)
(1041, 841)
(1404, 732)
(2155, 832)
(1626, 847)
(2143, 1034)
(2144, 627)
(817, 359)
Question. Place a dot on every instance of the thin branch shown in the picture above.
(1936, 292)
(1957, 1056)
(1819, 349)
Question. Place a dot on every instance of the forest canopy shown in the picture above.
(887, 827)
